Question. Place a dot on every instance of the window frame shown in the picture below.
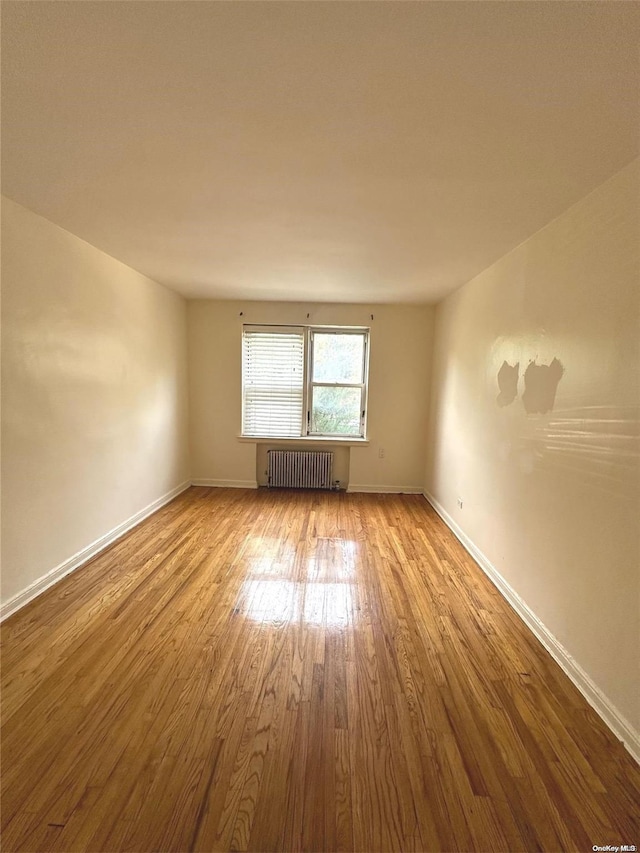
(310, 384)
(307, 392)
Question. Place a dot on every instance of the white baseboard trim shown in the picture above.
(72, 563)
(226, 484)
(385, 490)
(620, 727)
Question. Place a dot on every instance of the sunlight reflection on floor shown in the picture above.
(329, 604)
(316, 593)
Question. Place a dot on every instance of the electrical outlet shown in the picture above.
(460, 502)
(381, 453)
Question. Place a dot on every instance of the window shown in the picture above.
(300, 381)
(272, 381)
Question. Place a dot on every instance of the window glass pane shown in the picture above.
(336, 411)
(337, 358)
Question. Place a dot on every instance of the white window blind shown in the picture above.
(273, 382)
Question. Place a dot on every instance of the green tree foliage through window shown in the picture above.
(337, 383)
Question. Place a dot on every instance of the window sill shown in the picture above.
(307, 439)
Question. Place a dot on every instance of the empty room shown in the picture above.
(320, 426)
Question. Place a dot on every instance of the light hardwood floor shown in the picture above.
(280, 670)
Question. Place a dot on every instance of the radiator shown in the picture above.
(300, 469)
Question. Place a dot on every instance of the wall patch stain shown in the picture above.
(540, 386)
(508, 383)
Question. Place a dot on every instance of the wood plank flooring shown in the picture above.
(280, 670)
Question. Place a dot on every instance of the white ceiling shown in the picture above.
(324, 151)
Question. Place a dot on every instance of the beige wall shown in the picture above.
(94, 394)
(552, 497)
(398, 390)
